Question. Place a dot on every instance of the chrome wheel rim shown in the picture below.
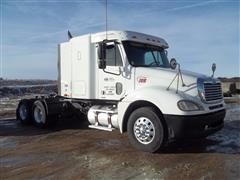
(23, 112)
(39, 115)
(144, 130)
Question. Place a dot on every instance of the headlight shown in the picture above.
(186, 105)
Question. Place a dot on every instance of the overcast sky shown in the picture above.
(198, 32)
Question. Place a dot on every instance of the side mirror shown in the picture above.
(214, 66)
(173, 63)
(101, 55)
(166, 52)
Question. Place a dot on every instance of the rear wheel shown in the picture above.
(40, 116)
(24, 111)
(145, 130)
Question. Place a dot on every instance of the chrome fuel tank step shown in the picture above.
(103, 117)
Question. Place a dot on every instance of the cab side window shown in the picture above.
(113, 56)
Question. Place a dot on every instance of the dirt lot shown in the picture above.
(72, 151)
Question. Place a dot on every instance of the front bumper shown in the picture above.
(194, 126)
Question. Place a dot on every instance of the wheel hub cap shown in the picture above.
(38, 114)
(144, 130)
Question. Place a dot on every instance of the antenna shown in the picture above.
(106, 3)
(1, 39)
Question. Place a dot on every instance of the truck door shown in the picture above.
(111, 79)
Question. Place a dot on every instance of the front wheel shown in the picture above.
(145, 130)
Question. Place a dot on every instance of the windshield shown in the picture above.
(145, 55)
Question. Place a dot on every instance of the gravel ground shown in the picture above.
(72, 151)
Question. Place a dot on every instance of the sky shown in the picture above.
(199, 33)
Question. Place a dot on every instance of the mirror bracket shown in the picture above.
(173, 65)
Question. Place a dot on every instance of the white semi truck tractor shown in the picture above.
(124, 80)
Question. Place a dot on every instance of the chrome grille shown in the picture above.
(213, 91)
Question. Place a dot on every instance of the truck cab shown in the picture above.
(124, 80)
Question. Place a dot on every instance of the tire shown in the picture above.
(24, 111)
(40, 117)
(145, 130)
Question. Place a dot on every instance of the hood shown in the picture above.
(162, 77)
